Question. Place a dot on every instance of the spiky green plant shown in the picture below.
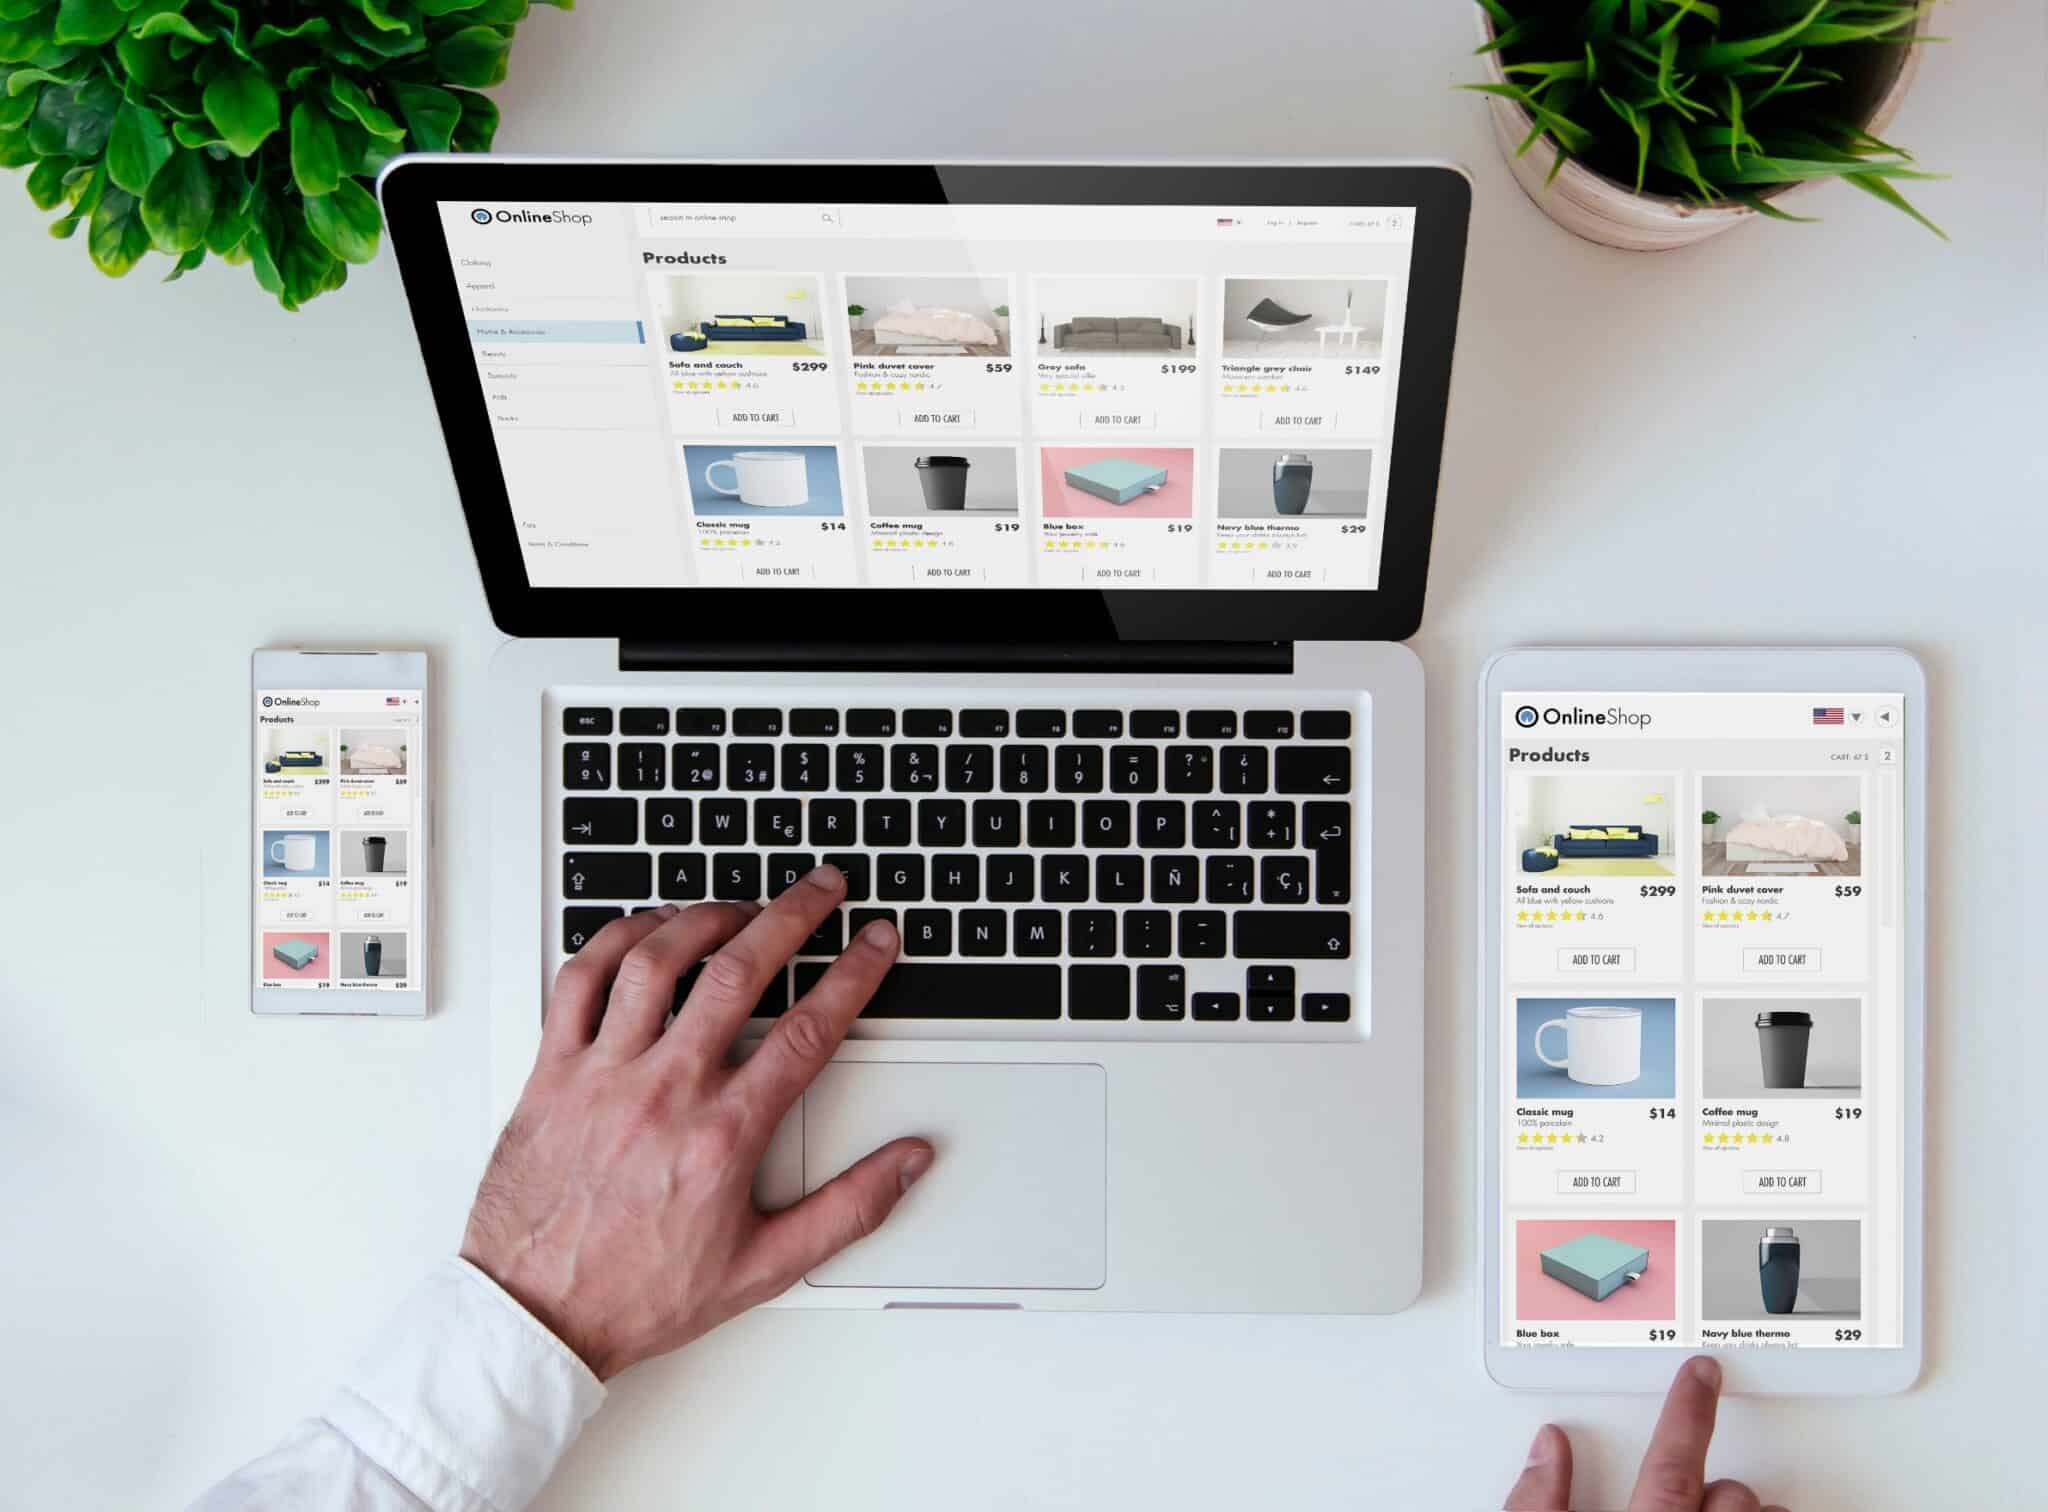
(246, 128)
(1713, 103)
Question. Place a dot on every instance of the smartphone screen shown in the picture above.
(339, 883)
(1701, 1057)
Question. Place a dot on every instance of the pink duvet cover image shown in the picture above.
(1800, 839)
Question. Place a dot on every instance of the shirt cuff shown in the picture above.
(464, 1398)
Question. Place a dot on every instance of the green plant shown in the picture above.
(246, 128)
(1854, 816)
(1003, 310)
(856, 311)
(1710, 818)
(1714, 103)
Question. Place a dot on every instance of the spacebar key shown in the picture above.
(1295, 935)
(946, 990)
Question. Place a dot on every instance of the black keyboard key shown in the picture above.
(778, 821)
(757, 721)
(1091, 932)
(1148, 933)
(1312, 769)
(1216, 1008)
(984, 931)
(1176, 879)
(805, 767)
(871, 722)
(1105, 822)
(600, 821)
(831, 822)
(1162, 825)
(607, 874)
(1326, 830)
(984, 724)
(1218, 825)
(693, 768)
(1155, 724)
(1242, 770)
(642, 722)
(1063, 879)
(914, 768)
(1228, 879)
(1038, 931)
(858, 769)
(899, 879)
(941, 823)
(586, 766)
(1049, 823)
(998, 823)
(1099, 724)
(1011, 879)
(1042, 724)
(1283, 879)
(1077, 768)
(858, 919)
(1268, 724)
(928, 724)
(643, 767)
(927, 932)
(1119, 879)
(579, 924)
(1268, 1008)
(586, 721)
(1202, 934)
(1326, 724)
(970, 768)
(1098, 992)
(814, 721)
(1190, 769)
(1212, 724)
(668, 821)
(1025, 768)
(736, 877)
(1162, 992)
(786, 869)
(681, 876)
(722, 821)
(828, 939)
(956, 878)
(884, 822)
(957, 990)
(1270, 826)
(1296, 935)
(700, 721)
(1134, 769)
(1325, 1007)
(1269, 994)
(749, 768)
(855, 867)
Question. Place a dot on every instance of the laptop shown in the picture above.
(1034, 542)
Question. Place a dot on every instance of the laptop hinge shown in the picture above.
(1254, 657)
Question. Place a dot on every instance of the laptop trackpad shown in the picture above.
(1017, 1196)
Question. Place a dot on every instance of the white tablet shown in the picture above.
(1700, 1088)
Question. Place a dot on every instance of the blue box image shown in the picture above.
(1117, 479)
(1595, 1264)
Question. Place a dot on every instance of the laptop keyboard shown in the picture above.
(1046, 866)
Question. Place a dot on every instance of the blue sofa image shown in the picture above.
(784, 330)
(1641, 843)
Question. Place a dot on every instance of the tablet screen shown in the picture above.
(1701, 1058)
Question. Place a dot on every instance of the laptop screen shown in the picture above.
(934, 396)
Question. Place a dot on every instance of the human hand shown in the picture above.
(1673, 1477)
(617, 1207)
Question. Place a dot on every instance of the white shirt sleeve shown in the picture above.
(463, 1404)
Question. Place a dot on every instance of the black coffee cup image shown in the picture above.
(373, 853)
(1293, 473)
(1781, 1039)
(944, 481)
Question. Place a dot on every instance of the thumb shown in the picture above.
(1546, 1481)
(850, 1206)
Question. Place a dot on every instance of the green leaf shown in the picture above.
(23, 39)
(17, 106)
(22, 80)
(316, 159)
(311, 29)
(116, 237)
(446, 7)
(379, 17)
(137, 147)
(350, 99)
(88, 22)
(179, 205)
(381, 45)
(148, 62)
(74, 120)
(46, 182)
(430, 114)
(346, 221)
(194, 134)
(186, 264)
(304, 262)
(243, 106)
(479, 123)
(474, 56)
(224, 233)
(171, 24)
(1872, 185)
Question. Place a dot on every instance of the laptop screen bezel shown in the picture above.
(413, 188)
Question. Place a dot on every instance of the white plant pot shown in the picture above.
(1604, 210)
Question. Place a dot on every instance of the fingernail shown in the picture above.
(1707, 1372)
(881, 934)
(1543, 1447)
(828, 877)
(666, 911)
(915, 1164)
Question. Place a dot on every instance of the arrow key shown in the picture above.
(579, 924)
(1312, 769)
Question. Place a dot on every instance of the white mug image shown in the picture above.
(764, 479)
(1603, 1046)
(293, 852)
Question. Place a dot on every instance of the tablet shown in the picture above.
(1703, 887)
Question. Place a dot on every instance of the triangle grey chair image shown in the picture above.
(1269, 317)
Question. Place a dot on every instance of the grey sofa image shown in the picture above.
(1101, 333)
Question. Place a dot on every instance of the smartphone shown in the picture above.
(342, 819)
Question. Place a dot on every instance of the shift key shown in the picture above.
(607, 874)
(1292, 935)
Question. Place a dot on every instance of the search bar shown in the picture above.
(741, 220)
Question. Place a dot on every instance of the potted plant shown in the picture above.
(1710, 819)
(1002, 313)
(1650, 124)
(1855, 821)
(854, 313)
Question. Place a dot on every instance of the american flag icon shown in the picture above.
(392, 701)
(1831, 715)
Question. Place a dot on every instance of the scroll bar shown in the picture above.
(1888, 784)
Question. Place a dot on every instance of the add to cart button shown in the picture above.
(1299, 422)
(1778, 958)
(1596, 1183)
(1120, 420)
(750, 419)
(945, 417)
(1780, 1183)
(1597, 958)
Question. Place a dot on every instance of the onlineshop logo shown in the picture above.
(485, 217)
(1526, 716)
(481, 217)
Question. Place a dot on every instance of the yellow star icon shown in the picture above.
(1582, 916)
(1521, 1139)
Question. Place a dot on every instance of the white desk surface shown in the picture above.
(1805, 433)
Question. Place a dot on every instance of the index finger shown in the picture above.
(804, 1038)
(733, 977)
(1674, 1473)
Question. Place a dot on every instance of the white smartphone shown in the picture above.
(1702, 1011)
(341, 806)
